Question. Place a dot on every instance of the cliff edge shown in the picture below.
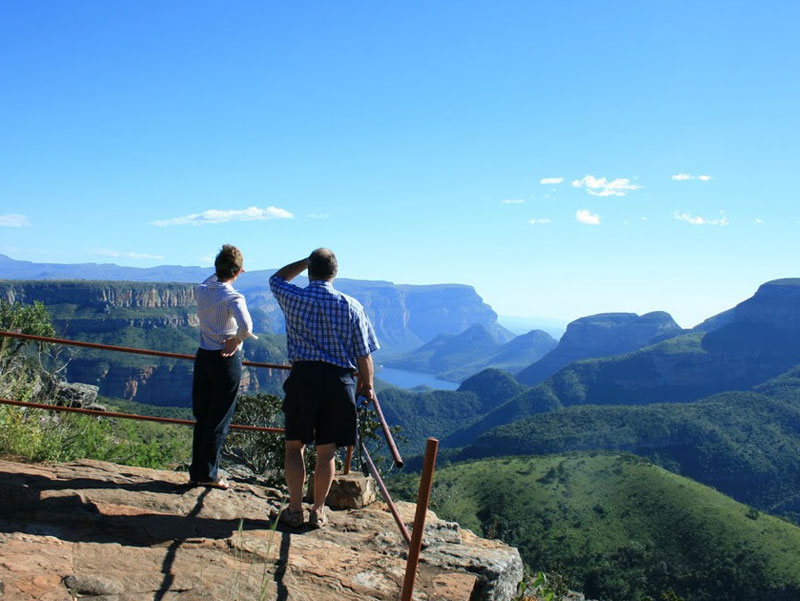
(95, 530)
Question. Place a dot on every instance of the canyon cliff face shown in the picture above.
(404, 317)
(163, 316)
(100, 295)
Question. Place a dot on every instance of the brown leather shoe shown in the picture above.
(293, 519)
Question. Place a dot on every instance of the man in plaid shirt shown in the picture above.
(329, 337)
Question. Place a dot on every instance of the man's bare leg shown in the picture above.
(295, 474)
(323, 474)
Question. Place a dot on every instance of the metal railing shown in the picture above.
(413, 540)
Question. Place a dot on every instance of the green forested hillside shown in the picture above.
(438, 413)
(621, 528)
(745, 444)
(681, 369)
(428, 413)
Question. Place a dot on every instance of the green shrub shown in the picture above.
(28, 372)
(24, 364)
(264, 453)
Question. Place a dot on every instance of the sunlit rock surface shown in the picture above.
(96, 530)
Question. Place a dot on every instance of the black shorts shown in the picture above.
(320, 404)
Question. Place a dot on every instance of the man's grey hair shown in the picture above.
(322, 264)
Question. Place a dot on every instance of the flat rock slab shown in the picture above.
(95, 530)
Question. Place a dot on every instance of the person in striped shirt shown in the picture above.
(224, 324)
(329, 337)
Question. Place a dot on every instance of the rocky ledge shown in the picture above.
(104, 532)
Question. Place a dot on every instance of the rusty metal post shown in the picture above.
(385, 492)
(424, 497)
(398, 461)
(348, 459)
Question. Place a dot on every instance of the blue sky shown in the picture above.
(417, 140)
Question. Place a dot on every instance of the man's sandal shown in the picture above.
(292, 519)
(220, 483)
(317, 518)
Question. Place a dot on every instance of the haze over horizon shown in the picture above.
(563, 160)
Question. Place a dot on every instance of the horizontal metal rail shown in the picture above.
(146, 418)
(126, 349)
(136, 351)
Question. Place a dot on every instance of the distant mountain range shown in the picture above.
(759, 340)
(458, 356)
(720, 405)
(536, 356)
(405, 316)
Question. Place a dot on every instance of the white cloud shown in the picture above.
(14, 220)
(318, 215)
(682, 177)
(600, 186)
(512, 201)
(551, 180)
(224, 216)
(206, 261)
(758, 221)
(535, 221)
(688, 218)
(584, 216)
(116, 254)
(697, 220)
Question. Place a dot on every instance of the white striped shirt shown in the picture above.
(223, 314)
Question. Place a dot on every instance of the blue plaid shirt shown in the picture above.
(322, 324)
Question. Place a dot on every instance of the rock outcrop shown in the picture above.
(100, 531)
(75, 395)
(601, 335)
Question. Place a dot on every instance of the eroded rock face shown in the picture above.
(102, 531)
(99, 295)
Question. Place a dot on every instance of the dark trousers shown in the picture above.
(214, 388)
